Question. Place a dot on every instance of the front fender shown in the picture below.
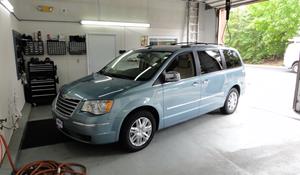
(151, 97)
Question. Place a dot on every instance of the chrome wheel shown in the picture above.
(140, 131)
(232, 100)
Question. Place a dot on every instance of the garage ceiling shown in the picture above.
(221, 3)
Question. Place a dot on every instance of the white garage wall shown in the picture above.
(74, 67)
(71, 67)
(10, 88)
(167, 18)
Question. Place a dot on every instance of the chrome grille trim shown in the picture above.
(68, 101)
(63, 103)
(60, 113)
(65, 106)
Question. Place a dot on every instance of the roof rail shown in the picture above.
(181, 43)
(198, 43)
(190, 44)
(186, 44)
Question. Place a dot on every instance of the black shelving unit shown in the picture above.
(56, 47)
(34, 48)
(41, 88)
(77, 48)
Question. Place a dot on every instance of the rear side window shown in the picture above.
(232, 59)
(210, 61)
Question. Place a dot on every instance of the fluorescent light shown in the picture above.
(110, 23)
(7, 5)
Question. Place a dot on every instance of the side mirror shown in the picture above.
(172, 76)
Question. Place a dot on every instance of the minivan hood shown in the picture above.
(97, 86)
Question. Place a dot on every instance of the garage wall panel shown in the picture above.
(72, 67)
(167, 18)
(11, 90)
(129, 10)
(167, 14)
(67, 10)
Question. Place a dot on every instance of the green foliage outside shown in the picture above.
(261, 31)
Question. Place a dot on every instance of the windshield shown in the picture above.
(136, 65)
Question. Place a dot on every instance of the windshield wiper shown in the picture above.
(122, 76)
(100, 72)
(115, 75)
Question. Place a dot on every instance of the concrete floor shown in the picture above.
(262, 137)
(40, 113)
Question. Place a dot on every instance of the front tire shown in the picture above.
(137, 131)
(295, 67)
(231, 102)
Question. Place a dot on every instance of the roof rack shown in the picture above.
(194, 43)
(187, 44)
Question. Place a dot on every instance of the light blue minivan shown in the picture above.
(148, 89)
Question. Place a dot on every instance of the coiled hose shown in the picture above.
(44, 167)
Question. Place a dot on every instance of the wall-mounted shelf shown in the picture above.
(56, 48)
(34, 48)
(77, 48)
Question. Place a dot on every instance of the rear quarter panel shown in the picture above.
(235, 76)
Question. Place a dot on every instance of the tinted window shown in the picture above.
(210, 61)
(232, 59)
(184, 64)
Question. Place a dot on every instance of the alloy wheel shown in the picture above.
(232, 100)
(140, 131)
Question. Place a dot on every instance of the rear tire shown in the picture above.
(295, 67)
(231, 102)
(137, 131)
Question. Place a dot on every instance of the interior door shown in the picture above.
(101, 49)
(212, 80)
(181, 98)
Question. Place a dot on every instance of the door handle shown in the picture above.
(195, 84)
(205, 82)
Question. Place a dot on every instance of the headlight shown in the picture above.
(97, 107)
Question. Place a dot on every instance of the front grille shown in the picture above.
(66, 106)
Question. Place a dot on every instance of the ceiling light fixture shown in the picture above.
(7, 5)
(111, 23)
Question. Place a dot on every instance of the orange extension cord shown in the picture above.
(44, 167)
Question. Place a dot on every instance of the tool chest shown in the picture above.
(41, 82)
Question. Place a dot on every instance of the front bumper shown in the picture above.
(84, 128)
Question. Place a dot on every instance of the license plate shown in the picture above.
(59, 123)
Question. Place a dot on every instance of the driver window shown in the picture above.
(183, 64)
